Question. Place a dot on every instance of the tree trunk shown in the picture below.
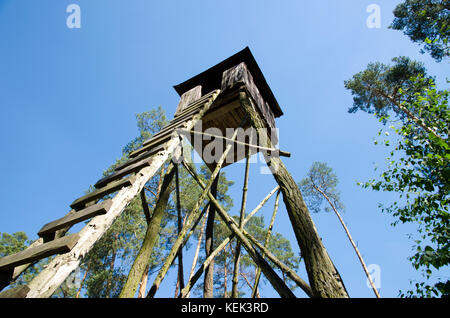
(266, 244)
(408, 113)
(180, 284)
(111, 266)
(141, 262)
(83, 279)
(143, 283)
(225, 279)
(324, 278)
(237, 256)
(194, 216)
(197, 250)
(208, 284)
(351, 241)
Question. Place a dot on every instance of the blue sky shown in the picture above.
(68, 99)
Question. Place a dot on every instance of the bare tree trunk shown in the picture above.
(83, 279)
(194, 216)
(350, 239)
(208, 284)
(143, 283)
(266, 243)
(180, 283)
(268, 271)
(323, 276)
(408, 113)
(197, 250)
(111, 266)
(237, 256)
(140, 264)
(225, 279)
(144, 279)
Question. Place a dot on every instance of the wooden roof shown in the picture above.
(212, 78)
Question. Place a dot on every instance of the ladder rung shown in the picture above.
(197, 103)
(147, 154)
(16, 292)
(121, 173)
(189, 111)
(153, 143)
(169, 127)
(58, 246)
(100, 193)
(155, 139)
(49, 229)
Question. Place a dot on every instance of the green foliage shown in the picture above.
(14, 243)
(320, 175)
(148, 124)
(425, 22)
(418, 168)
(378, 88)
(10, 244)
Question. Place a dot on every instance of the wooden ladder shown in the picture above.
(126, 182)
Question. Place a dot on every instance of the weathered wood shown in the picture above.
(194, 215)
(240, 74)
(46, 283)
(192, 108)
(266, 243)
(193, 279)
(146, 154)
(61, 245)
(278, 284)
(16, 292)
(100, 193)
(220, 112)
(195, 104)
(181, 119)
(237, 256)
(189, 97)
(48, 230)
(152, 143)
(140, 263)
(208, 281)
(179, 228)
(271, 151)
(121, 173)
(323, 276)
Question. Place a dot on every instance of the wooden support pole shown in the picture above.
(278, 284)
(272, 151)
(48, 280)
(193, 278)
(237, 256)
(58, 246)
(140, 263)
(208, 282)
(266, 243)
(323, 276)
(18, 270)
(180, 225)
(197, 250)
(193, 216)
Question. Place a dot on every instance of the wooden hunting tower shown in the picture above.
(230, 95)
(240, 69)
